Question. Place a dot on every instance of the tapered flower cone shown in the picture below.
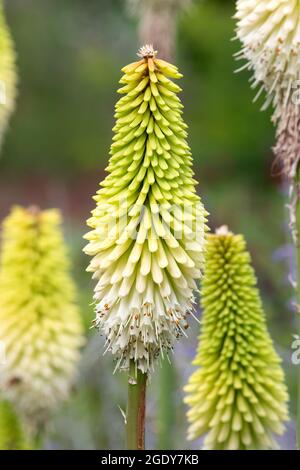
(12, 436)
(237, 396)
(40, 326)
(148, 225)
(8, 74)
(270, 34)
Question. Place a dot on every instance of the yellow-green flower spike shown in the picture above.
(148, 225)
(40, 325)
(237, 396)
(12, 436)
(8, 74)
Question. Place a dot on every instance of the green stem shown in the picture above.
(136, 405)
(298, 385)
(297, 210)
(166, 420)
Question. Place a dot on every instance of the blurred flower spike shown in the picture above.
(39, 321)
(12, 434)
(8, 74)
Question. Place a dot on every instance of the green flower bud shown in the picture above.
(237, 396)
(148, 226)
(40, 326)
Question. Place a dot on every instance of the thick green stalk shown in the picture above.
(166, 420)
(136, 406)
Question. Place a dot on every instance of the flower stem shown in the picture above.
(297, 209)
(298, 380)
(136, 405)
(166, 406)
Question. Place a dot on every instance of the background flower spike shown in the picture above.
(148, 225)
(237, 396)
(12, 436)
(40, 325)
(269, 33)
(8, 75)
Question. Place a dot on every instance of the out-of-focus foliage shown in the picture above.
(69, 58)
(69, 55)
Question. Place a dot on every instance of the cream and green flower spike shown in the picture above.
(237, 396)
(8, 74)
(12, 436)
(270, 36)
(40, 325)
(148, 225)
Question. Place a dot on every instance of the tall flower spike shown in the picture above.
(237, 396)
(8, 75)
(270, 33)
(12, 435)
(157, 21)
(148, 226)
(39, 322)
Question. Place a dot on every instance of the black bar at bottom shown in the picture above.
(133, 459)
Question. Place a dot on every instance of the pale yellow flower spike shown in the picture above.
(148, 225)
(8, 75)
(40, 326)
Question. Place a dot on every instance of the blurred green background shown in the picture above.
(70, 53)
